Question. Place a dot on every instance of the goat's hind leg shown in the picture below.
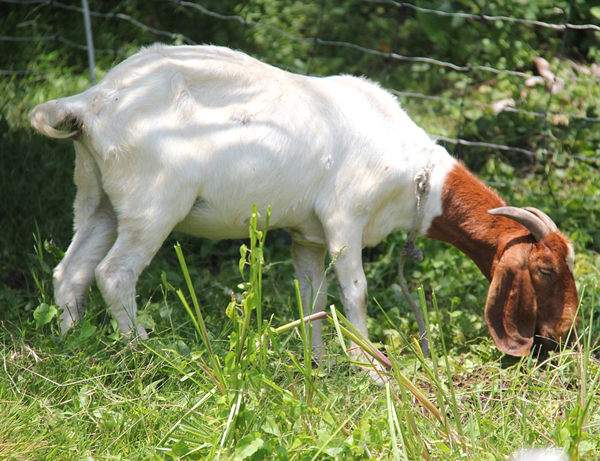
(75, 273)
(143, 225)
(117, 275)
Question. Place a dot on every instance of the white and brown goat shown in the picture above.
(189, 137)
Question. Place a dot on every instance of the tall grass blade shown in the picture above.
(453, 403)
(257, 243)
(368, 347)
(306, 342)
(198, 319)
(393, 425)
(231, 420)
(336, 323)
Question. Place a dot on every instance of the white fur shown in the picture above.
(538, 454)
(188, 138)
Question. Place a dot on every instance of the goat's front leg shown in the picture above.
(353, 291)
(353, 288)
(347, 252)
(309, 268)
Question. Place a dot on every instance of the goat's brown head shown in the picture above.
(532, 295)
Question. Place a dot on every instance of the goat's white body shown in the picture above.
(188, 138)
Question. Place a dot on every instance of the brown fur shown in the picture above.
(532, 291)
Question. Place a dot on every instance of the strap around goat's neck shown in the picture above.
(422, 188)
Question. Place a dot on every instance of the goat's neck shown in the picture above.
(466, 223)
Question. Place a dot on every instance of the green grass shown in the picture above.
(215, 379)
(213, 383)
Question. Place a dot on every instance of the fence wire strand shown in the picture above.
(419, 9)
(485, 17)
(316, 40)
(390, 55)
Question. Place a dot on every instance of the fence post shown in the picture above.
(90, 41)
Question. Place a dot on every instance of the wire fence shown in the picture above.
(557, 74)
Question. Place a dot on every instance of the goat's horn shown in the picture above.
(544, 217)
(534, 224)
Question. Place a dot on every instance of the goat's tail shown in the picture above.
(61, 118)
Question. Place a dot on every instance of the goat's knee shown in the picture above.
(354, 299)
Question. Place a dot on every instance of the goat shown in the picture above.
(189, 137)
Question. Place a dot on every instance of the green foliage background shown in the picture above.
(320, 37)
(37, 191)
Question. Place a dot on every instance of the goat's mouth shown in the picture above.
(552, 342)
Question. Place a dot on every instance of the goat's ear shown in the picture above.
(510, 310)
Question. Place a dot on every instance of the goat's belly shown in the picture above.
(222, 223)
(207, 221)
(191, 225)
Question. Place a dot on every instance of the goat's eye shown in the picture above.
(545, 272)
